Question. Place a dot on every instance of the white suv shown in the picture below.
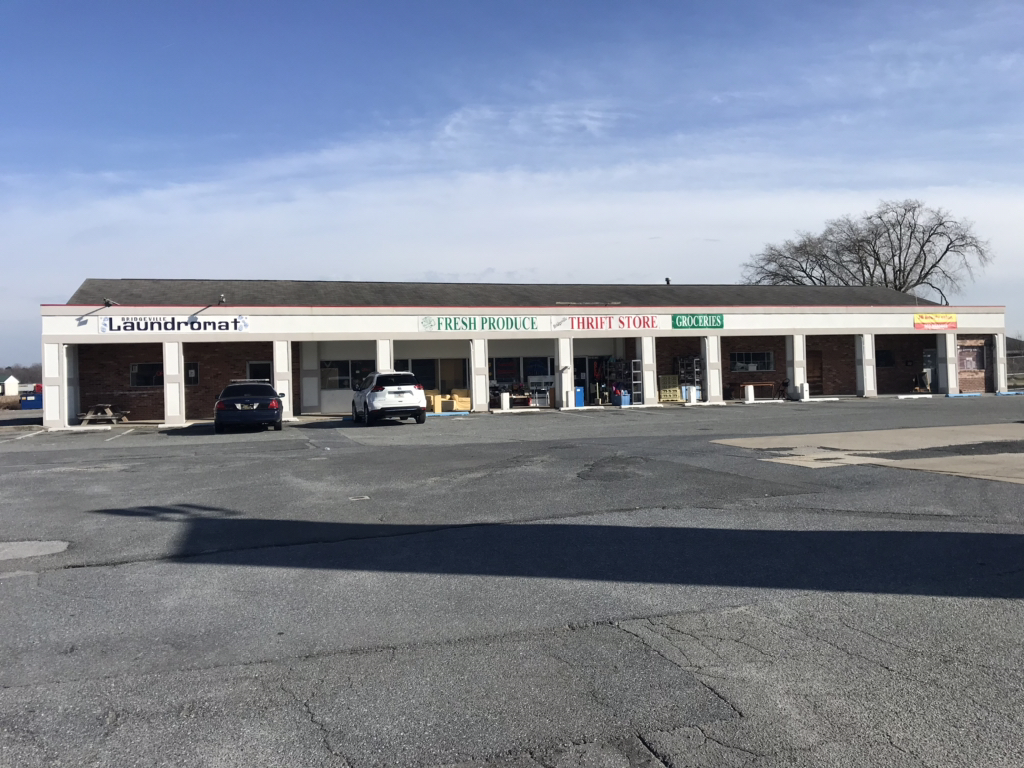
(388, 393)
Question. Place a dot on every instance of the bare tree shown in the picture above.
(903, 245)
(25, 374)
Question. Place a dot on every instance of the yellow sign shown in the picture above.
(935, 322)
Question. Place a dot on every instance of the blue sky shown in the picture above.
(526, 141)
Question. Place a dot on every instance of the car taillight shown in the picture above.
(377, 389)
(221, 405)
(274, 405)
(418, 386)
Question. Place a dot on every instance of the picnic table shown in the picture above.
(103, 412)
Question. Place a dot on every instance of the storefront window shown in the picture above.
(884, 358)
(425, 372)
(362, 368)
(537, 366)
(971, 358)
(334, 374)
(505, 370)
(751, 361)
(152, 374)
(146, 375)
(453, 374)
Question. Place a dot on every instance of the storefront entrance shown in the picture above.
(601, 377)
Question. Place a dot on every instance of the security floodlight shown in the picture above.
(222, 300)
(110, 303)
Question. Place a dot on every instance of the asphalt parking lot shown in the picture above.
(633, 587)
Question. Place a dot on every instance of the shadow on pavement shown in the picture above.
(937, 563)
(22, 421)
(345, 422)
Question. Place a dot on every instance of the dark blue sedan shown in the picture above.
(248, 403)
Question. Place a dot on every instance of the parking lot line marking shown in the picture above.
(358, 498)
(22, 437)
(107, 440)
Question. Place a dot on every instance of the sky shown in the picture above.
(527, 141)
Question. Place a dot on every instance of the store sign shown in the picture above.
(935, 322)
(192, 324)
(686, 322)
(604, 322)
(445, 323)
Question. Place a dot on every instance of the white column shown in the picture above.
(480, 383)
(645, 346)
(949, 381)
(55, 402)
(385, 355)
(283, 376)
(867, 383)
(1000, 362)
(711, 354)
(565, 397)
(174, 384)
(796, 363)
(309, 367)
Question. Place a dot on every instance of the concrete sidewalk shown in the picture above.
(871, 447)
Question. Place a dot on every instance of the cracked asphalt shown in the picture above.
(535, 591)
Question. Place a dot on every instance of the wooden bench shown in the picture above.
(738, 388)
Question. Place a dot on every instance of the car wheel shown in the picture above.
(355, 414)
(421, 417)
(218, 428)
(278, 426)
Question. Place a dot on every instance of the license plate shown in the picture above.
(248, 406)
(401, 392)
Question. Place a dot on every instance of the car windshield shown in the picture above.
(248, 390)
(396, 380)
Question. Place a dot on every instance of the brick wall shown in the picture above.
(774, 344)
(978, 381)
(668, 348)
(219, 363)
(908, 354)
(838, 364)
(104, 376)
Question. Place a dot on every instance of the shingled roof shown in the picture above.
(301, 293)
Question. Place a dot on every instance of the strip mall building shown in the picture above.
(163, 349)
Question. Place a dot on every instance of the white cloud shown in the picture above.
(329, 215)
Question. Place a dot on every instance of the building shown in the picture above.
(163, 349)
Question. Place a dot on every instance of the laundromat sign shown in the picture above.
(436, 323)
(686, 322)
(192, 324)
